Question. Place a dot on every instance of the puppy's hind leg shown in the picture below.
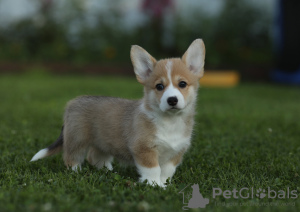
(74, 157)
(99, 159)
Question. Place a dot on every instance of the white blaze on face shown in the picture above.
(171, 91)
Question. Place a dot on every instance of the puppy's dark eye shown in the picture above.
(182, 84)
(160, 87)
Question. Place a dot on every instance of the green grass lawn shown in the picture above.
(245, 137)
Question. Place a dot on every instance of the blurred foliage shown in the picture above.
(238, 35)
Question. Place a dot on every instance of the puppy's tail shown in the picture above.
(50, 150)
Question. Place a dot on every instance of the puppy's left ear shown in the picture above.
(194, 57)
(143, 63)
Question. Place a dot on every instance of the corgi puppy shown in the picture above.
(152, 133)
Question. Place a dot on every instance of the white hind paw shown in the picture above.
(76, 168)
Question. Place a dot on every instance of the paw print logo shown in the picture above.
(260, 193)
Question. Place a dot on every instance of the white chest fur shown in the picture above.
(172, 136)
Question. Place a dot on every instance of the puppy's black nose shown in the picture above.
(172, 101)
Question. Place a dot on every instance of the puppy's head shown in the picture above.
(170, 84)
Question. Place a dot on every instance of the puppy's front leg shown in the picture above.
(146, 161)
(152, 175)
(168, 169)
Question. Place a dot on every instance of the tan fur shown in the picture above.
(85, 128)
(152, 60)
(54, 151)
(176, 160)
(133, 131)
(128, 142)
(184, 57)
(146, 156)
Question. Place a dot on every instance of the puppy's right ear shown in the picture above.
(143, 63)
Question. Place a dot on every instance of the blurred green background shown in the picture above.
(95, 36)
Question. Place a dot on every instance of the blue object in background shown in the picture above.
(287, 42)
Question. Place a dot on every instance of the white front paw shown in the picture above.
(152, 182)
(152, 175)
(167, 171)
(163, 179)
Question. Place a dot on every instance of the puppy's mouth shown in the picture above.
(174, 109)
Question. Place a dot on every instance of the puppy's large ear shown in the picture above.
(143, 63)
(194, 57)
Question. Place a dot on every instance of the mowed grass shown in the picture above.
(247, 136)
